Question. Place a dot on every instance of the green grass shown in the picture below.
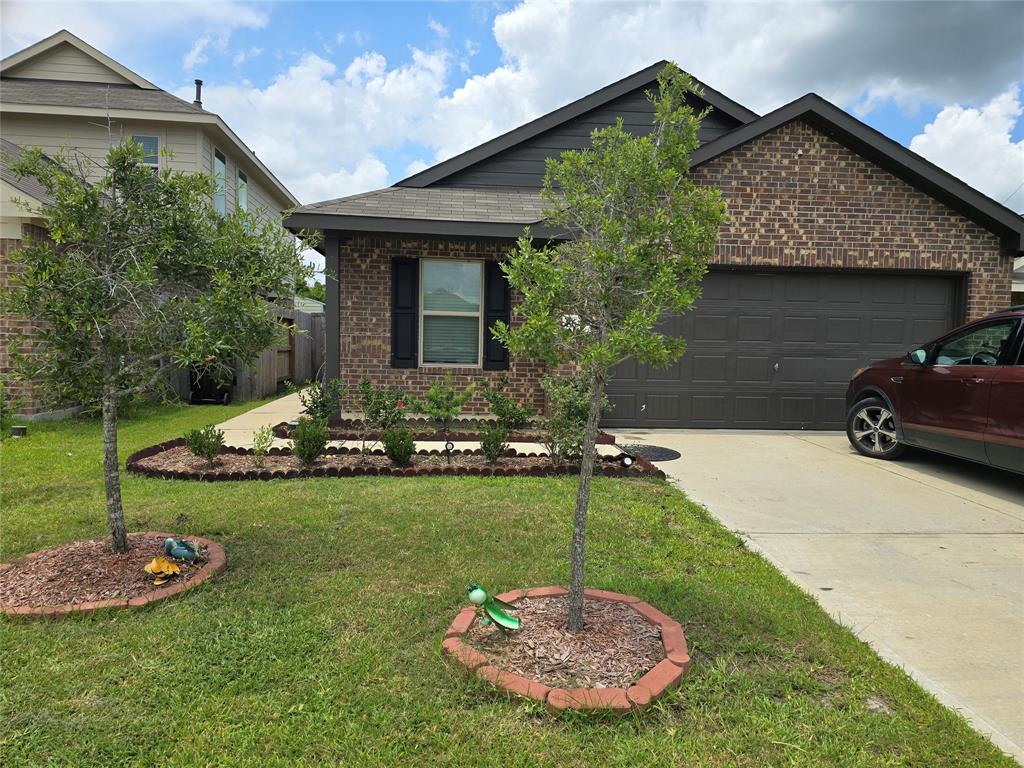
(319, 645)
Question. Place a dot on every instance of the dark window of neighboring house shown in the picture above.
(150, 149)
(243, 191)
(451, 312)
(220, 165)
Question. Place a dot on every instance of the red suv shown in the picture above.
(962, 394)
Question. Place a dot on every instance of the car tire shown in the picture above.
(871, 429)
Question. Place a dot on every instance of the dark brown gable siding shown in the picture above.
(523, 165)
(797, 198)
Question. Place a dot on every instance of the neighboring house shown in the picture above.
(63, 94)
(841, 247)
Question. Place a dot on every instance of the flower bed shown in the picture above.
(424, 429)
(627, 656)
(171, 460)
(85, 576)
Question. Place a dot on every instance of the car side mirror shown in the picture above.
(918, 356)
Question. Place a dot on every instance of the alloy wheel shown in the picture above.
(874, 428)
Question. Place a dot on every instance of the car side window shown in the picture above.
(980, 345)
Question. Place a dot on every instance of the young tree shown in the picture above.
(140, 275)
(639, 235)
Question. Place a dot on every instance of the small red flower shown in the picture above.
(400, 404)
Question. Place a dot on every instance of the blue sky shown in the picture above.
(338, 98)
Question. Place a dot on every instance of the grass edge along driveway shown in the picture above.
(320, 642)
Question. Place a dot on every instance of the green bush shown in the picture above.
(382, 407)
(508, 413)
(9, 405)
(205, 443)
(309, 440)
(399, 444)
(442, 403)
(494, 443)
(323, 401)
(566, 424)
(262, 439)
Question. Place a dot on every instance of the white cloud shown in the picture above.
(437, 28)
(197, 53)
(243, 56)
(416, 166)
(976, 145)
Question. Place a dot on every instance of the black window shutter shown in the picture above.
(497, 306)
(405, 299)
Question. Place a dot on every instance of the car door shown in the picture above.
(947, 398)
(1004, 436)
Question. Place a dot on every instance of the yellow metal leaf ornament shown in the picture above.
(162, 568)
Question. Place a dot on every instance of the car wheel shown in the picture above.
(871, 428)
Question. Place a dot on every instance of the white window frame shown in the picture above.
(221, 184)
(241, 182)
(479, 315)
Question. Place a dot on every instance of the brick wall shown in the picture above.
(796, 198)
(11, 328)
(365, 321)
(829, 207)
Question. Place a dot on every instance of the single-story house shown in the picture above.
(841, 247)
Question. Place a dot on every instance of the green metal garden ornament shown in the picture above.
(495, 610)
(181, 549)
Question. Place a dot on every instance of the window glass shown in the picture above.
(243, 191)
(450, 307)
(220, 164)
(150, 148)
(981, 345)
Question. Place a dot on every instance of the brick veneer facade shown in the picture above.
(11, 327)
(796, 198)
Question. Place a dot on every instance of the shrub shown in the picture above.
(382, 407)
(309, 440)
(205, 443)
(508, 413)
(399, 444)
(494, 443)
(322, 401)
(443, 404)
(262, 439)
(8, 407)
(566, 422)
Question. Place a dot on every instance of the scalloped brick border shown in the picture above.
(216, 560)
(641, 468)
(666, 674)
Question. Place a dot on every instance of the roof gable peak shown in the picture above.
(15, 64)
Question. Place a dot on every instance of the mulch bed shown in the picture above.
(616, 647)
(172, 460)
(84, 573)
(424, 429)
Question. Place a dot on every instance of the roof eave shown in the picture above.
(882, 150)
(298, 222)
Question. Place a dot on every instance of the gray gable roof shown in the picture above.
(65, 93)
(11, 153)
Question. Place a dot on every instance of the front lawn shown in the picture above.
(320, 643)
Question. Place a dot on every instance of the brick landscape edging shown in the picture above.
(666, 674)
(215, 562)
(642, 467)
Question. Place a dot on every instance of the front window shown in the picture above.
(243, 192)
(450, 322)
(220, 165)
(981, 345)
(150, 149)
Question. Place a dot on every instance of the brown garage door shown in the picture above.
(775, 350)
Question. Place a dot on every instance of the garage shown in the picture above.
(776, 349)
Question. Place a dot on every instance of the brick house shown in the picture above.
(841, 247)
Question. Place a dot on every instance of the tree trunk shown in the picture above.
(111, 473)
(579, 522)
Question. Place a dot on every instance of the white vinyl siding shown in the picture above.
(451, 312)
(65, 62)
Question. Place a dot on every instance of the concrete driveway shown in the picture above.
(923, 559)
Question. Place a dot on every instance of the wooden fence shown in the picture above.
(296, 359)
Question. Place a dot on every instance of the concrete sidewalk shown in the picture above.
(923, 559)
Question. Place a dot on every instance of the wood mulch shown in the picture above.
(179, 459)
(85, 571)
(616, 647)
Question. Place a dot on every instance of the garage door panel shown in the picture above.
(816, 327)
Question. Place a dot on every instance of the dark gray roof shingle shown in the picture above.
(63, 93)
(438, 204)
(10, 153)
